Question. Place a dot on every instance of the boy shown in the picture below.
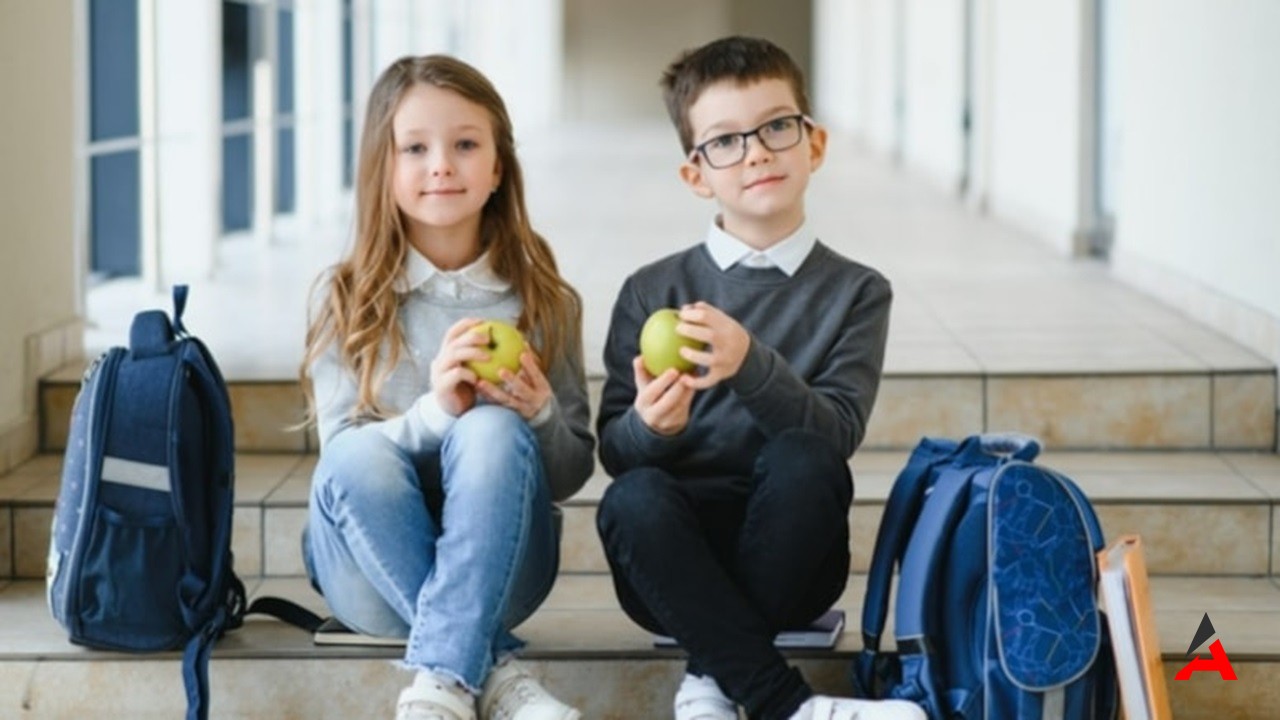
(727, 518)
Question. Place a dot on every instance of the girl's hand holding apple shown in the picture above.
(526, 392)
(451, 380)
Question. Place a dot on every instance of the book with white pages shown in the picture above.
(822, 633)
(1126, 598)
(333, 632)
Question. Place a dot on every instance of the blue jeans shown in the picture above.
(450, 550)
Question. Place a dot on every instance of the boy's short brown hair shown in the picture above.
(741, 59)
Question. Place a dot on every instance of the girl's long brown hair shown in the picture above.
(359, 312)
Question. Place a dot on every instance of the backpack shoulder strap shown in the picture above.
(900, 512)
(918, 591)
(214, 602)
(896, 525)
(287, 611)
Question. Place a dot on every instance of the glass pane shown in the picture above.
(347, 54)
(284, 62)
(113, 69)
(348, 153)
(237, 62)
(116, 214)
(348, 83)
(285, 201)
(237, 182)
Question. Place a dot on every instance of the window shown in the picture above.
(115, 204)
(286, 201)
(348, 91)
(237, 115)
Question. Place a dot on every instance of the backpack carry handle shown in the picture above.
(1016, 445)
(179, 305)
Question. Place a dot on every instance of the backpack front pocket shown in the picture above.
(129, 582)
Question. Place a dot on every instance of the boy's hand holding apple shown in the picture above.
(662, 402)
(725, 344)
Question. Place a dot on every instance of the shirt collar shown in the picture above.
(788, 254)
(419, 271)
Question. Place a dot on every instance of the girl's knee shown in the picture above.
(487, 429)
(490, 451)
(360, 460)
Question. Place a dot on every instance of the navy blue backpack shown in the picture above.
(996, 613)
(140, 553)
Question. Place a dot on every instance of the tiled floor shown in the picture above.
(971, 295)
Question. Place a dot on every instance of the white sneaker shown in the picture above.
(822, 707)
(435, 697)
(700, 698)
(511, 693)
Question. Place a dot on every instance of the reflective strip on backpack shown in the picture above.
(1055, 704)
(137, 474)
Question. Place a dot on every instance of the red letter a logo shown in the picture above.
(1218, 662)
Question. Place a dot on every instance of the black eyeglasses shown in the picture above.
(729, 149)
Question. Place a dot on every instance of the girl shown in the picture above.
(431, 509)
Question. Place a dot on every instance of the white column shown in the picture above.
(188, 112)
(364, 68)
(391, 33)
(318, 113)
(835, 81)
(520, 47)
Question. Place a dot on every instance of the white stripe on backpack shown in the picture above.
(137, 474)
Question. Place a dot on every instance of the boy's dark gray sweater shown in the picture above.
(817, 349)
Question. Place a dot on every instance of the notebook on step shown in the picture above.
(822, 633)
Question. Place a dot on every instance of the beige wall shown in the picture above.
(788, 24)
(615, 51)
(38, 276)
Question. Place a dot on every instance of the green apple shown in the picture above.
(504, 347)
(660, 344)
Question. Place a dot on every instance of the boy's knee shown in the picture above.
(803, 454)
(802, 447)
(636, 499)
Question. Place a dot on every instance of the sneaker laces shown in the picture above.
(511, 689)
(429, 697)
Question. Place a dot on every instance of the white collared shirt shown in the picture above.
(788, 254)
(461, 284)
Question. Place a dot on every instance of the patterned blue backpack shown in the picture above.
(996, 614)
(140, 553)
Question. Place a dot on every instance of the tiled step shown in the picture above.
(1188, 410)
(1200, 513)
(580, 642)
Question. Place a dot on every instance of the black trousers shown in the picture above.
(722, 564)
